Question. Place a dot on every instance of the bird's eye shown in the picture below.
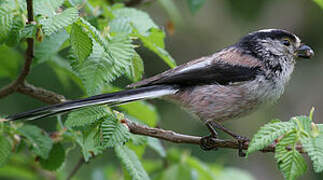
(286, 42)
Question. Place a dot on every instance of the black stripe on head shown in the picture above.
(269, 33)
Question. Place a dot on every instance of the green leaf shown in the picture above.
(234, 173)
(5, 150)
(177, 171)
(195, 5)
(131, 163)
(204, 170)
(302, 123)
(120, 25)
(290, 162)
(64, 71)
(139, 19)
(14, 34)
(55, 159)
(113, 132)
(122, 51)
(156, 145)
(29, 31)
(268, 133)
(97, 70)
(86, 116)
(46, 8)
(102, 67)
(6, 22)
(154, 42)
(81, 43)
(136, 68)
(88, 141)
(49, 47)
(41, 144)
(59, 21)
(148, 113)
(319, 2)
(314, 148)
(9, 62)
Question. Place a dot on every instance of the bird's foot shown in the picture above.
(207, 143)
(241, 140)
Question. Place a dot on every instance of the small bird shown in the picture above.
(225, 85)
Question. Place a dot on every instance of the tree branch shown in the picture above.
(41, 94)
(20, 84)
(28, 58)
(181, 138)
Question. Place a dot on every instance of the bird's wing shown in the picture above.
(221, 68)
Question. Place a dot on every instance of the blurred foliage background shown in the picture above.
(219, 23)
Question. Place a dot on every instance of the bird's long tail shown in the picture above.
(109, 99)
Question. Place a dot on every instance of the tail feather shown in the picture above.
(109, 99)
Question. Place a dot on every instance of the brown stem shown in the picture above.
(181, 138)
(41, 94)
(28, 58)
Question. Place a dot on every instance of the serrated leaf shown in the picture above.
(267, 134)
(148, 113)
(40, 142)
(120, 25)
(139, 19)
(29, 31)
(113, 132)
(122, 51)
(6, 22)
(46, 8)
(314, 148)
(291, 163)
(153, 42)
(55, 159)
(131, 163)
(14, 34)
(88, 141)
(49, 47)
(81, 43)
(97, 70)
(195, 5)
(86, 116)
(5, 150)
(156, 145)
(59, 21)
(136, 68)
(302, 122)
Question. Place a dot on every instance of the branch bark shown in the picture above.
(20, 84)
(181, 138)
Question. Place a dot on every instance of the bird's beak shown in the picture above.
(304, 51)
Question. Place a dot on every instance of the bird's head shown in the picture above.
(272, 43)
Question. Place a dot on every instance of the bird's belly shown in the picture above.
(219, 103)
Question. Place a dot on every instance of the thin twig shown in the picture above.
(181, 138)
(11, 88)
(20, 84)
(76, 168)
(41, 94)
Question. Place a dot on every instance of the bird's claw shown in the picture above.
(241, 140)
(207, 143)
